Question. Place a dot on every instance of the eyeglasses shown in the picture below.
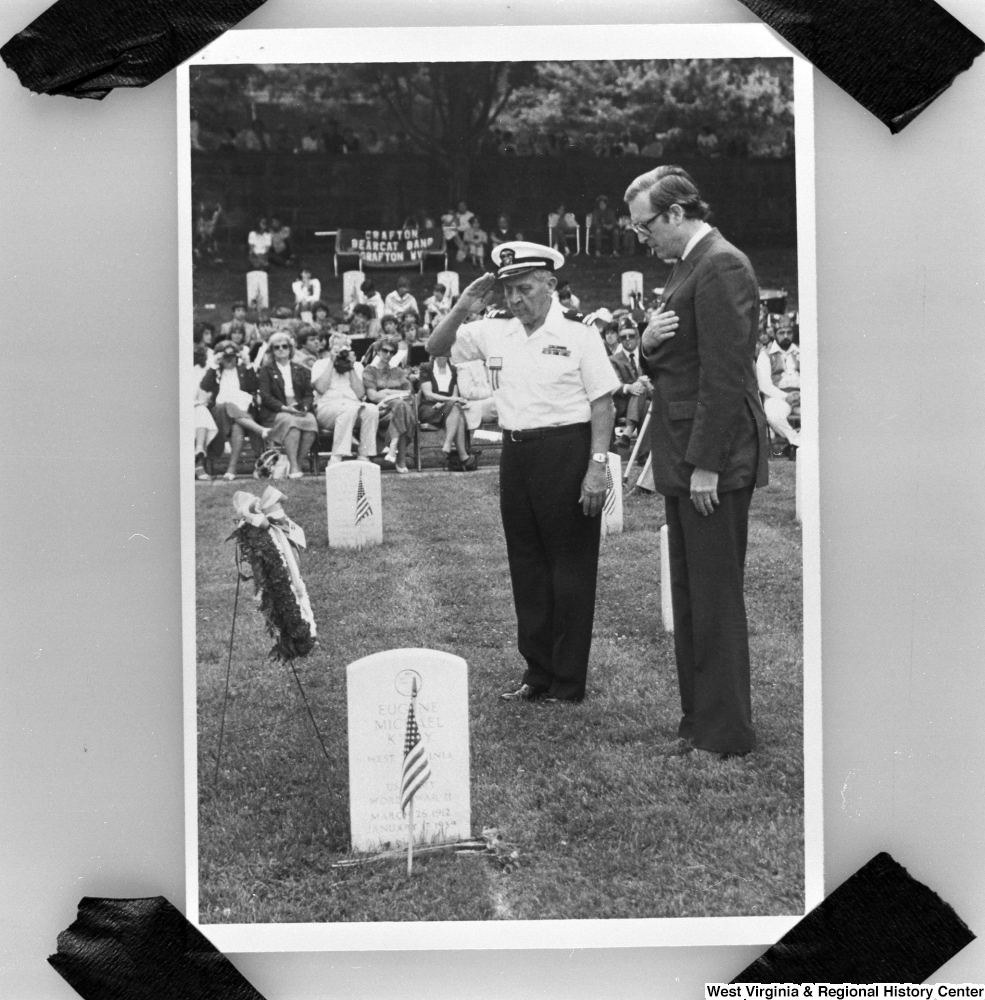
(281, 347)
(643, 228)
(386, 350)
(627, 336)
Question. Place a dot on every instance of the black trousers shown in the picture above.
(711, 635)
(553, 551)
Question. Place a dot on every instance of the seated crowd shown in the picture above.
(365, 378)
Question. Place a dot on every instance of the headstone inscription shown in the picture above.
(379, 689)
(354, 504)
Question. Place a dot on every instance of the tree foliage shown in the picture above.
(449, 110)
(598, 102)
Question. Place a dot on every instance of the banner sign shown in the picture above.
(390, 247)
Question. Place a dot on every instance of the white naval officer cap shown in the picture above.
(519, 256)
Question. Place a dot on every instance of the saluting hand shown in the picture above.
(478, 291)
(662, 326)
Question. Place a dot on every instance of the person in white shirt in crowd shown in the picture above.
(366, 295)
(436, 306)
(205, 426)
(553, 386)
(230, 385)
(280, 243)
(307, 292)
(260, 242)
(778, 378)
(341, 404)
(400, 299)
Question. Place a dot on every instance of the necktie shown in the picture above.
(632, 366)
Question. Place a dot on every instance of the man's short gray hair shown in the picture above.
(541, 272)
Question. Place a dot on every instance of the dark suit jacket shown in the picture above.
(620, 363)
(706, 410)
(273, 397)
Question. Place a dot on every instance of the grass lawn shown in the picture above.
(588, 822)
(595, 280)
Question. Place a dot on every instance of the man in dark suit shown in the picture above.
(633, 396)
(708, 440)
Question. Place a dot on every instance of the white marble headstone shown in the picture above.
(450, 280)
(257, 289)
(378, 694)
(612, 511)
(351, 283)
(354, 504)
(632, 283)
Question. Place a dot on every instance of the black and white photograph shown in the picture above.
(500, 540)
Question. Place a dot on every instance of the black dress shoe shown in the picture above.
(523, 693)
(678, 748)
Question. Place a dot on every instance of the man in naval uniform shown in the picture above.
(553, 386)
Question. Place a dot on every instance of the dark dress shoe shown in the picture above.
(523, 693)
(678, 748)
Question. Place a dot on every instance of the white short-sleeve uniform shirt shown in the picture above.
(545, 379)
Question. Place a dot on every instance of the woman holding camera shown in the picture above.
(340, 400)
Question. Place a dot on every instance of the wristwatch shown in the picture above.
(600, 456)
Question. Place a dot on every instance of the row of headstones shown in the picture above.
(354, 503)
(258, 286)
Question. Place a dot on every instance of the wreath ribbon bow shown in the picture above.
(266, 512)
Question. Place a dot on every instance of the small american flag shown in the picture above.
(363, 509)
(610, 490)
(416, 767)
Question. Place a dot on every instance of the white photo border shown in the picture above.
(549, 42)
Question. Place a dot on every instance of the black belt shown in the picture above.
(536, 433)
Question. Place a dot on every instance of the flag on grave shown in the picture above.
(416, 768)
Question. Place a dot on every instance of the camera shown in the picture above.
(344, 361)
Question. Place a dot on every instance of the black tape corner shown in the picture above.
(895, 57)
(879, 926)
(143, 949)
(85, 48)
